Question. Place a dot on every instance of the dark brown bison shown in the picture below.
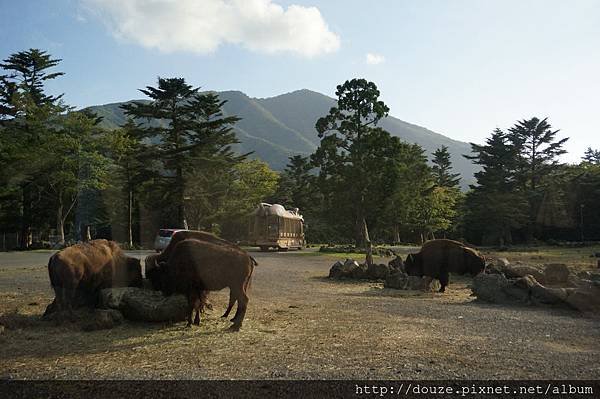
(438, 258)
(195, 267)
(152, 261)
(79, 272)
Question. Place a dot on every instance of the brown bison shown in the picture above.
(438, 258)
(195, 267)
(79, 272)
(153, 261)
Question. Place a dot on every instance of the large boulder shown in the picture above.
(343, 270)
(145, 305)
(496, 288)
(586, 297)
(378, 271)
(397, 280)
(359, 272)
(517, 271)
(403, 281)
(556, 274)
(396, 264)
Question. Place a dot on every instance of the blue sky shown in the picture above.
(458, 67)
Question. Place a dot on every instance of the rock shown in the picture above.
(397, 280)
(556, 273)
(396, 264)
(490, 287)
(587, 275)
(502, 263)
(585, 298)
(145, 305)
(523, 270)
(414, 283)
(378, 271)
(103, 319)
(359, 272)
(336, 270)
(548, 296)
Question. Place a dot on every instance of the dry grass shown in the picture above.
(301, 325)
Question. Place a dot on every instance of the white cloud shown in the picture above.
(201, 26)
(375, 59)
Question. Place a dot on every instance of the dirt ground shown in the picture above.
(300, 325)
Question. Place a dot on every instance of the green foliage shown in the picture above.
(194, 133)
(442, 167)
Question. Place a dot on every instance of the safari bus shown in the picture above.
(272, 226)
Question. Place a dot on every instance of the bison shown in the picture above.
(195, 267)
(438, 258)
(153, 261)
(79, 272)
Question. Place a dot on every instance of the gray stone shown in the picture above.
(145, 305)
(523, 270)
(556, 274)
(397, 280)
(359, 272)
(501, 263)
(585, 298)
(396, 264)
(378, 271)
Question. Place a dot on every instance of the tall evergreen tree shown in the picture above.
(442, 169)
(495, 206)
(591, 156)
(27, 117)
(189, 128)
(296, 187)
(538, 149)
(352, 151)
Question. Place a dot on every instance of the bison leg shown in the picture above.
(241, 312)
(444, 280)
(197, 318)
(231, 303)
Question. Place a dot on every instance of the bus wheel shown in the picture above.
(280, 249)
(264, 249)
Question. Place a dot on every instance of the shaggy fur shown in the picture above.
(438, 258)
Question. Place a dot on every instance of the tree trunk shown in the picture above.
(130, 219)
(362, 232)
(25, 236)
(60, 222)
(396, 234)
(182, 223)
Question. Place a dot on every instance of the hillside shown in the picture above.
(276, 128)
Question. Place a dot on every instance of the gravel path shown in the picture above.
(301, 325)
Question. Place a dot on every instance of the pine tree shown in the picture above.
(190, 131)
(442, 169)
(591, 156)
(495, 206)
(27, 117)
(353, 153)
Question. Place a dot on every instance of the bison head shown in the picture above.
(413, 265)
(477, 265)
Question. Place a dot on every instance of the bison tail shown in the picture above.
(249, 280)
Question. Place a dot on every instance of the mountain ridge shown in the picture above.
(275, 128)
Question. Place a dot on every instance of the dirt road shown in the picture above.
(300, 325)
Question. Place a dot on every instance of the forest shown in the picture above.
(66, 179)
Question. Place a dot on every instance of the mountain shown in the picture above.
(278, 127)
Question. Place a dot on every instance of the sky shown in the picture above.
(458, 67)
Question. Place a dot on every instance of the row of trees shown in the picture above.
(173, 164)
(361, 180)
